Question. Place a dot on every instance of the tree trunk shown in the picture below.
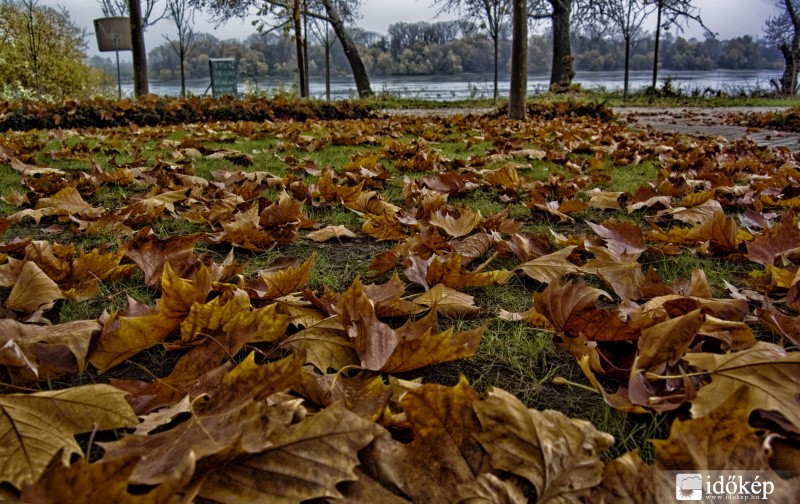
(327, 66)
(138, 50)
(496, 63)
(627, 68)
(350, 50)
(655, 51)
(298, 40)
(519, 62)
(562, 73)
(791, 69)
(183, 71)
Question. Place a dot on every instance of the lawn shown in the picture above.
(387, 308)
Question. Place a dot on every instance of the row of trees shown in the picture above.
(492, 18)
(436, 48)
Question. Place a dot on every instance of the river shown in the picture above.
(455, 87)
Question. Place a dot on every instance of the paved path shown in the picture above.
(694, 121)
(707, 122)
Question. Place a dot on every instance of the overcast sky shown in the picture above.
(728, 18)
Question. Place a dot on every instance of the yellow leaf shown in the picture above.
(32, 290)
(35, 427)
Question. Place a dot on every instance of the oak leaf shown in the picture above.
(34, 428)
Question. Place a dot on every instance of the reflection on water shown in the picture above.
(454, 87)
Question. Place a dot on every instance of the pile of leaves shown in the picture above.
(560, 109)
(154, 110)
(780, 120)
(283, 392)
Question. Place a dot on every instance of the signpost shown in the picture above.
(224, 79)
(114, 34)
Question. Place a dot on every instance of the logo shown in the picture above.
(689, 486)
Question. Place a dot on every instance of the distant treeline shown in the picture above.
(449, 47)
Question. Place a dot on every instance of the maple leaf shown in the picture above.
(767, 369)
(448, 302)
(769, 247)
(559, 455)
(35, 427)
(622, 272)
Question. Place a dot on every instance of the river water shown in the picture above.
(455, 87)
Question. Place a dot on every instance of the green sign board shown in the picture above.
(224, 79)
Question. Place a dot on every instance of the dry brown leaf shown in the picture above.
(329, 233)
(550, 267)
(559, 455)
(305, 461)
(767, 369)
(32, 290)
(34, 428)
(448, 302)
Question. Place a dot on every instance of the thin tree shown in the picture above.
(492, 14)
(671, 13)
(182, 14)
(517, 107)
(783, 31)
(626, 17)
(34, 43)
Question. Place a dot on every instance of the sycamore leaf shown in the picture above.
(549, 268)
(68, 201)
(448, 302)
(331, 232)
(40, 343)
(664, 344)
(461, 224)
(621, 237)
(622, 272)
(719, 440)
(284, 281)
(306, 461)
(152, 253)
(230, 416)
(32, 290)
(365, 394)
(631, 480)
(34, 428)
(444, 455)
(101, 482)
(125, 336)
(559, 455)
(412, 346)
(771, 373)
(326, 343)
